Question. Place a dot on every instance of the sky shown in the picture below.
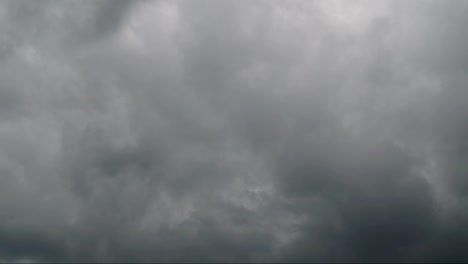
(233, 131)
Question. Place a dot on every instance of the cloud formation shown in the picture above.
(293, 131)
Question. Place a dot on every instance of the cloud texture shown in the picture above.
(249, 131)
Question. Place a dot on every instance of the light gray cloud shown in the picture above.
(233, 131)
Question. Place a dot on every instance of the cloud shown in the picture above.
(211, 131)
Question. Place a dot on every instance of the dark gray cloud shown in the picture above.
(223, 131)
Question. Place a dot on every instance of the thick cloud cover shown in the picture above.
(233, 131)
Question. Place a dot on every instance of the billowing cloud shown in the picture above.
(291, 131)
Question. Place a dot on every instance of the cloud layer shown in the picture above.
(292, 131)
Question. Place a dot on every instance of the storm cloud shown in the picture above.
(233, 131)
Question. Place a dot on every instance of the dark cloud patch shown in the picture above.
(30, 244)
(364, 202)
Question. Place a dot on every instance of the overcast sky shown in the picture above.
(280, 131)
